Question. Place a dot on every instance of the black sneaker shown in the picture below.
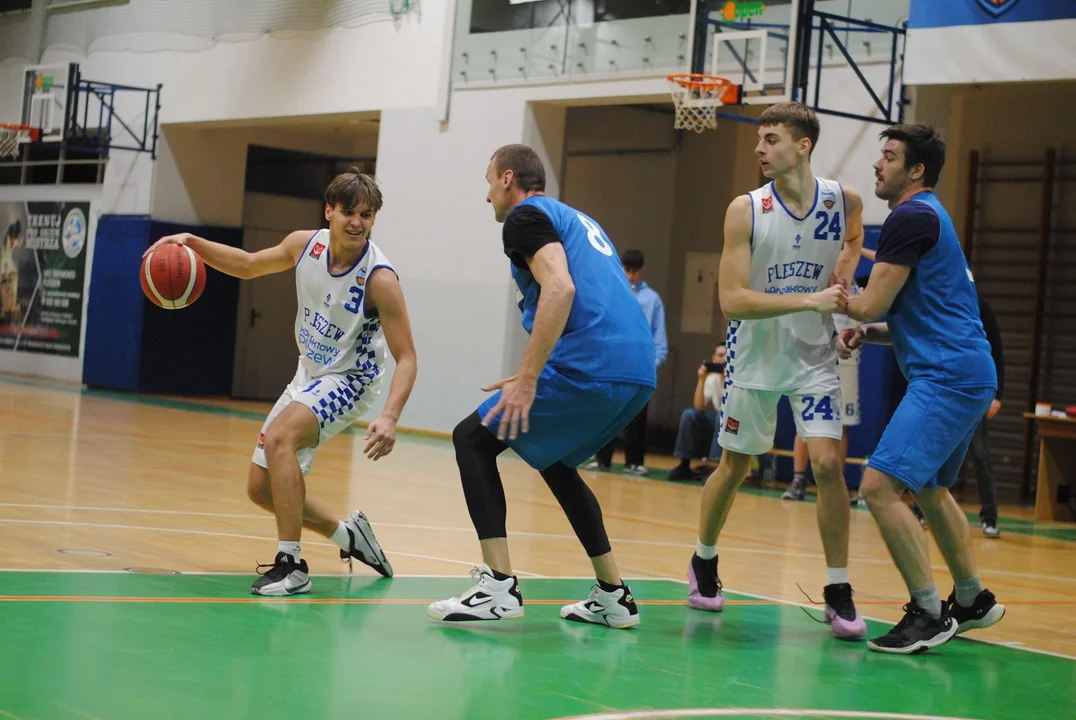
(983, 613)
(364, 546)
(841, 613)
(916, 633)
(919, 515)
(681, 472)
(796, 490)
(704, 587)
(284, 577)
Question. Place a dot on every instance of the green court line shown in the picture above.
(1015, 526)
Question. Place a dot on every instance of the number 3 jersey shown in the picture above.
(334, 330)
(789, 255)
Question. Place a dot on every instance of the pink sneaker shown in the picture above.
(841, 613)
(704, 587)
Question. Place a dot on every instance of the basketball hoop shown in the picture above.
(11, 136)
(697, 97)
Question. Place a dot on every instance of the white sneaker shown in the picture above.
(990, 529)
(616, 609)
(364, 546)
(596, 466)
(284, 577)
(490, 599)
(637, 469)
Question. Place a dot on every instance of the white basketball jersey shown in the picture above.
(789, 255)
(332, 329)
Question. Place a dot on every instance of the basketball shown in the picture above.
(173, 276)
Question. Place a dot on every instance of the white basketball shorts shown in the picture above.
(336, 401)
(749, 417)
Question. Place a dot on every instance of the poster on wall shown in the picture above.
(42, 271)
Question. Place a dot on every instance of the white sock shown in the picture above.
(341, 537)
(705, 552)
(291, 548)
(837, 576)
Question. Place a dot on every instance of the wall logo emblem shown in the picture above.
(997, 8)
(74, 233)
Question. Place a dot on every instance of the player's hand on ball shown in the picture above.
(180, 239)
(995, 407)
(380, 438)
(832, 299)
(517, 396)
(849, 340)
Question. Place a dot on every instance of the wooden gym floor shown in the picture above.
(128, 547)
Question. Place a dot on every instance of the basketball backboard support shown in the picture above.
(750, 43)
(46, 95)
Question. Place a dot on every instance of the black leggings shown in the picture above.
(476, 455)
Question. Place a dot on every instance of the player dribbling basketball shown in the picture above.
(350, 306)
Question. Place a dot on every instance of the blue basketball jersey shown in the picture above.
(607, 337)
(934, 321)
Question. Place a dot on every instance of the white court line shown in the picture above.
(128, 437)
(545, 536)
(885, 622)
(231, 535)
(755, 712)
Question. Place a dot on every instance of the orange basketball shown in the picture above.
(173, 276)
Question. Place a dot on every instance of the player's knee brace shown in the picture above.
(476, 455)
(581, 507)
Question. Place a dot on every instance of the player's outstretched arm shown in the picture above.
(738, 302)
(550, 268)
(874, 301)
(383, 291)
(238, 262)
(848, 260)
(549, 265)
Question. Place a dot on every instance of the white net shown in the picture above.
(9, 141)
(696, 99)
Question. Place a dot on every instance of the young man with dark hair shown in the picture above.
(635, 433)
(785, 245)
(922, 288)
(351, 307)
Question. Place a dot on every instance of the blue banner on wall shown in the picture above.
(949, 13)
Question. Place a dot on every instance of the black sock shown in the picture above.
(685, 463)
(497, 575)
(608, 587)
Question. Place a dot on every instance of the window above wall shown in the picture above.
(502, 15)
(65, 4)
(7, 6)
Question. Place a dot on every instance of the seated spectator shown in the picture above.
(697, 436)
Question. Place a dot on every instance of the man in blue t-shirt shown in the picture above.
(922, 288)
(587, 370)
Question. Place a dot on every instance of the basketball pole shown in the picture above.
(801, 30)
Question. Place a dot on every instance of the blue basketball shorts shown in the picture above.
(928, 436)
(571, 419)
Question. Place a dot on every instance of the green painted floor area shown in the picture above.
(199, 646)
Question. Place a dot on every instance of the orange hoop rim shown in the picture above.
(29, 130)
(700, 81)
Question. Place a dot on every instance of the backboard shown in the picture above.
(751, 43)
(47, 92)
